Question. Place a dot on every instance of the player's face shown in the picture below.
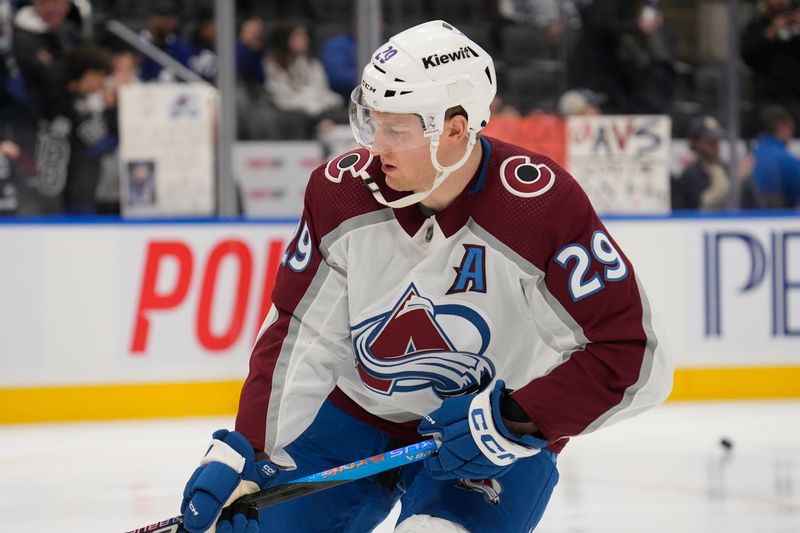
(403, 150)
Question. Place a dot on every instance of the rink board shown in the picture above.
(124, 320)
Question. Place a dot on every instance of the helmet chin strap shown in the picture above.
(442, 173)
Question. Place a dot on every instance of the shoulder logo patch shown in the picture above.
(350, 164)
(525, 179)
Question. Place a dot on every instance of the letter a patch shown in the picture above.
(471, 274)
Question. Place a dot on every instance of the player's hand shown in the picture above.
(239, 523)
(475, 442)
(226, 473)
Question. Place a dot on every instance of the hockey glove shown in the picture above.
(227, 472)
(475, 442)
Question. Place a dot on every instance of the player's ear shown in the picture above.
(456, 127)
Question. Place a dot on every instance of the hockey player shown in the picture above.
(439, 282)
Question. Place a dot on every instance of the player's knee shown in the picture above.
(428, 524)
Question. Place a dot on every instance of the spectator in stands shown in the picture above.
(296, 80)
(553, 16)
(15, 164)
(91, 111)
(43, 35)
(204, 56)
(577, 102)
(125, 66)
(705, 183)
(771, 47)
(9, 153)
(625, 52)
(258, 118)
(125, 59)
(163, 25)
(250, 52)
(249, 49)
(41, 38)
(339, 55)
(12, 87)
(6, 26)
(776, 175)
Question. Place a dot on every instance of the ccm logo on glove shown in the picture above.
(475, 443)
(487, 435)
(487, 440)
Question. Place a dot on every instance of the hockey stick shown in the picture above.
(315, 482)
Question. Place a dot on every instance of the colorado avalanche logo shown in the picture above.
(490, 489)
(350, 163)
(407, 349)
(523, 178)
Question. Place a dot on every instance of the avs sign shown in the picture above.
(622, 162)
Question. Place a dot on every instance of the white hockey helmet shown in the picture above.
(424, 71)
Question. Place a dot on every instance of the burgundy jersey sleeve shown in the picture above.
(305, 337)
(589, 305)
(269, 386)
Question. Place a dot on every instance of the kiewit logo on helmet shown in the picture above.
(434, 60)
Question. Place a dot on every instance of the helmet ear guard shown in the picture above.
(458, 91)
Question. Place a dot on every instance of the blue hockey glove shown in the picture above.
(227, 472)
(475, 442)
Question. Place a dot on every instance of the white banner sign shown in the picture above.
(622, 162)
(272, 176)
(85, 304)
(167, 149)
(725, 291)
(133, 303)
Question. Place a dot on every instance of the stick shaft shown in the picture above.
(317, 482)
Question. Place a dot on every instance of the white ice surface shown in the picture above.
(662, 472)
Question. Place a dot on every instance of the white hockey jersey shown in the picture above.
(387, 312)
